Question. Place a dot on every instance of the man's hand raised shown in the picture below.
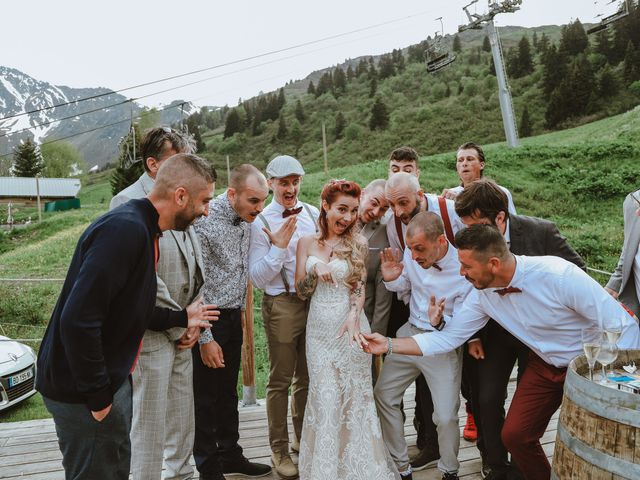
(281, 237)
(200, 314)
(436, 310)
(390, 265)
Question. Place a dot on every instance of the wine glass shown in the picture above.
(613, 329)
(606, 356)
(591, 341)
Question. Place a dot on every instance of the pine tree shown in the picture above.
(398, 60)
(573, 39)
(296, 135)
(282, 128)
(525, 62)
(373, 87)
(379, 115)
(603, 45)
(299, 112)
(631, 70)
(534, 40)
(340, 125)
(386, 67)
(281, 99)
(486, 45)
(27, 160)
(233, 123)
(339, 81)
(362, 67)
(607, 83)
(543, 44)
(325, 84)
(311, 89)
(350, 73)
(457, 46)
(525, 123)
(200, 145)
(554, 69)
(128, 168)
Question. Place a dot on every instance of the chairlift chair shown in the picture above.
(437, 53)
(622, 12)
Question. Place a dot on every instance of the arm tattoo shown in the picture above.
(307, 286)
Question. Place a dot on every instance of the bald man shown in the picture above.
(107, 303)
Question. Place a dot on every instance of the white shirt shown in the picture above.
(432, 206)
(512, 208)
(424, 283)
(557, 301)
(266, 260)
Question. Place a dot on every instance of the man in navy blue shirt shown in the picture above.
(106, 304)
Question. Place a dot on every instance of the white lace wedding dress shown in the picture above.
(341, 434)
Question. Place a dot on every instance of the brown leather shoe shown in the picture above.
(284, 466)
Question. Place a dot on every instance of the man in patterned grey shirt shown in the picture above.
(224, 238)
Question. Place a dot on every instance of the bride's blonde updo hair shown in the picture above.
(354, 252)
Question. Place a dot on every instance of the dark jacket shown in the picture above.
(106, 304)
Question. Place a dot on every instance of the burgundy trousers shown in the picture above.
(537, 397)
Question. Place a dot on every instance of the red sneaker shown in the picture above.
(470, 432)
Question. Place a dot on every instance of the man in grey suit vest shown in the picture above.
(624, 284)
(163, 416)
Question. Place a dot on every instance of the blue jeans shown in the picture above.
(90, 449)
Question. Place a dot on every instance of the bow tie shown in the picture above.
(503, 291)
(437, 267)
(291, 211)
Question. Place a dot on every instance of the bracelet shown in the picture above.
(389, 346)
(441, 325)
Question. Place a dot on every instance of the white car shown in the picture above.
(17, 372)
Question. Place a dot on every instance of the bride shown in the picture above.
(341, 434)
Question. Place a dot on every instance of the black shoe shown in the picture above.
(450, 476)
(212, 476)
(242, 466)
(426, 458)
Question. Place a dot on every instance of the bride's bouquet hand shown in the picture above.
(324, 273)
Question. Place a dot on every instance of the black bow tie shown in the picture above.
(291, 211)
(503, 291)
(437, 267)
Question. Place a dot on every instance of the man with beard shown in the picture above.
(406, 199)
(224, 238)
(164, 377)
(484, 202)
(429, 267)
(272, 266)
(107, 303)
(545, 302)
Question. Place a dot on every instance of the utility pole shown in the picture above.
(324, 149)
(479, 21)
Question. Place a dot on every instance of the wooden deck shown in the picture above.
(29, 450)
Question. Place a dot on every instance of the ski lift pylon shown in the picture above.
(438, 54)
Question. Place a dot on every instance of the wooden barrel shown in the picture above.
(599, 427)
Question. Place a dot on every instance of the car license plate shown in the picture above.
(20, 377)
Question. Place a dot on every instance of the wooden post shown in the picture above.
(229, 174)
(324, 149)
(38, 196)
(248, 354)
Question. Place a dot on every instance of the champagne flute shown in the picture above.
(606, 356)
(591, 341)
(613, 329)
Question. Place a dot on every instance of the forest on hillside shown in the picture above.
(559, 77)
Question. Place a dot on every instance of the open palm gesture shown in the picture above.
(390, 264)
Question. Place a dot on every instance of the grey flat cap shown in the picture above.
(283, 166)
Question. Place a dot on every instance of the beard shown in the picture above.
(183, 220)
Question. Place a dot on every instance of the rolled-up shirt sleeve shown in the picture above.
(265, 260)
(460, 327)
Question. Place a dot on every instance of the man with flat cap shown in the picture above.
(272, 265)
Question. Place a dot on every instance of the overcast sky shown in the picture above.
(120, 43)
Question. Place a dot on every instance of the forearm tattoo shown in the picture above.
(307, 286)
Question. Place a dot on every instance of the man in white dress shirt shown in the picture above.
(545, 302)
(429, 267)
(272, 266)
(470, 162)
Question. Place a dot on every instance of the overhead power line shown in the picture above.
(226, 64)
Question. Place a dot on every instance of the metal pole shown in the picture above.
(228, 171)
(324, 149)
(38, 197)
(248, 354)
(506, 104)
